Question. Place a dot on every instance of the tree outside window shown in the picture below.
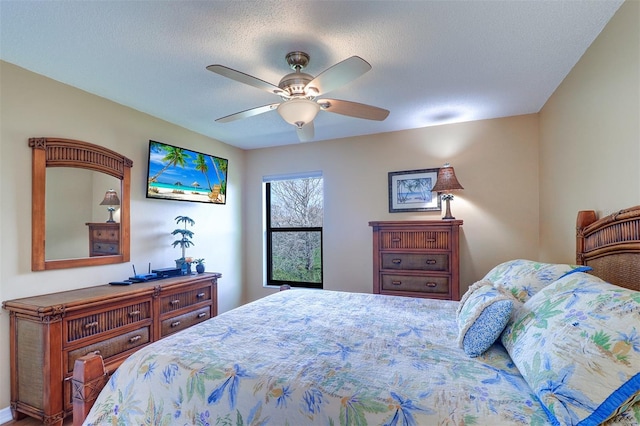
(294, 232)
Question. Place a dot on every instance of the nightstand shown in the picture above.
(417, 258)
(104, 239)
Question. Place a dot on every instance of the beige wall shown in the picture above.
(495, 160)
(33, 106)
(590, 135)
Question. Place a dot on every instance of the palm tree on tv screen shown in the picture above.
(201, 165)
(173, 157)
(220, 165)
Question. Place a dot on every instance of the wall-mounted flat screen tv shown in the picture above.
(184, 175)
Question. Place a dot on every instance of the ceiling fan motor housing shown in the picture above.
(294, 83)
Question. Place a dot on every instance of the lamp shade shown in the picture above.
(110, 199)
(447, 180)
(298, 111)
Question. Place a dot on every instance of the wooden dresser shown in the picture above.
(104, 239)
(49, 332)
(417, 258)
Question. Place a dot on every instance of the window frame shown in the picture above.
(270, 231)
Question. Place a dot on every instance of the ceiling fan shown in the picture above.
(299, 91)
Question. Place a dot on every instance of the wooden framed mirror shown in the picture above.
(102, 166)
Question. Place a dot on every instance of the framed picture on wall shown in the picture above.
(410, 191)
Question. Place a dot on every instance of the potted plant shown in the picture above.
(184, 240)
(199, 265)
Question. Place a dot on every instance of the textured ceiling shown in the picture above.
(434, 62)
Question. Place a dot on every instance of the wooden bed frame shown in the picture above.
(611, 246)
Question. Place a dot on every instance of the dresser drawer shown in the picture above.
(416, 261)
(180, 322)
(105, 248)
(111, 347)
(94, 324)
(106, 235)
(421, 284)
(430, 240)
(177, 301)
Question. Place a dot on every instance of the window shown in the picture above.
(294, 206)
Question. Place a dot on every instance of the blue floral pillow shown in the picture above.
(524, 278)
(482, 315)
(577, 344)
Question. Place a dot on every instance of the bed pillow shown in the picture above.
(482, 315)
(577, 344)
(524, 278)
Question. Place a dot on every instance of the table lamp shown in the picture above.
(446, 183)
(110, 199)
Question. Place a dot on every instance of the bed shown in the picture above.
(531, 343)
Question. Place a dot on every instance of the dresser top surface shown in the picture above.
(82, 296)
(413, 223)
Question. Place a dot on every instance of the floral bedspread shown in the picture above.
(303, 357)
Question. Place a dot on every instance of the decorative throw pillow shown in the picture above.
(577, 344)
(482, 315)
(524, 278)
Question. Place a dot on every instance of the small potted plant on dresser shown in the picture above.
(199, 265)
(184, 241)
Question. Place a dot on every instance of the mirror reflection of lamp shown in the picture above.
(110, 199)
(446, 183)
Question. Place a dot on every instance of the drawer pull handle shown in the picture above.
(431, 240)
(396, 261)
(174, 302)
(431, 261)
(431, 284)
(201, 314)
(175, 324)
(396, 282)
(134, 313)
(91, 325)
(135, 339)
(396, 240)
(200, 295)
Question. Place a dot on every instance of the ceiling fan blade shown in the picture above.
(248, 113)
(306, 132)
(246, 79)
(353, 109)
(337, 75)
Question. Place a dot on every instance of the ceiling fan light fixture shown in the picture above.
(299, 111)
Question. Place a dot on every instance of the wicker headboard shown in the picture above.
(611, 246)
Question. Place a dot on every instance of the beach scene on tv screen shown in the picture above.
(180, 174)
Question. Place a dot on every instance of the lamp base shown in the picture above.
(111, 210)
(447, 214)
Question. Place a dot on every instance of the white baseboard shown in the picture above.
(5, 415)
